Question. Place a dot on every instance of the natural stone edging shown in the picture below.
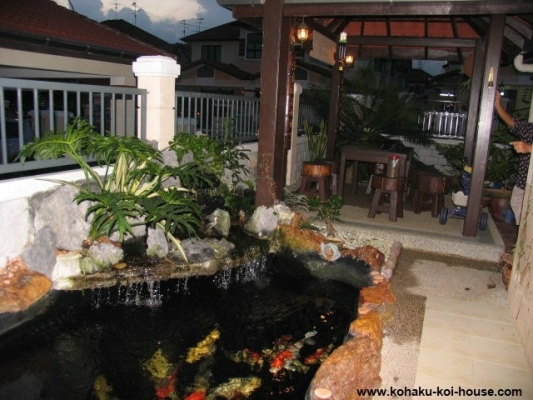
(20, 287)
(342, 372)
(357, 363)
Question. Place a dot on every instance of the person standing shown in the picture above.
(524, 131)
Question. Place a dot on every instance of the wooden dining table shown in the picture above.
(361, 153)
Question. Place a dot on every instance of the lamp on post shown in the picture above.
(344, 60)
(349, 60)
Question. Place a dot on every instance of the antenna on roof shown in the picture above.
(71, 6)
(135, 12)
(199, 24)
(187, 25)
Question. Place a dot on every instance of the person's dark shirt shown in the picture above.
(524, 131)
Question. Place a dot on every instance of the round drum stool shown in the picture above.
(316, 180)
(429, 194)
(394, 187)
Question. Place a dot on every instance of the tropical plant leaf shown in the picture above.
(73, 143)
(111, 212)
(174, 209)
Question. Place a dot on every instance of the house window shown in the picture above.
(212, 52)
(242, 47)
(254, 46)
(300, 74)
(205, 72)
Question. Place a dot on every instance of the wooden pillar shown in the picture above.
(473, 106)
(493, 50)
(334, 108)
(275, 104)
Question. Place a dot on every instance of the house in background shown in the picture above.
(43, 41)
(181, 51)
(226, 59)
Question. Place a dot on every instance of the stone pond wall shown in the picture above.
(338, 374)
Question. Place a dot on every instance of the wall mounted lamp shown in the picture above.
(302, 32)
(501, 88)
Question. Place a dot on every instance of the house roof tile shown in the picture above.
(226, 32)
(56, 25)
(229, 69)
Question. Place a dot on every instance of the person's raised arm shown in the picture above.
(502, 112)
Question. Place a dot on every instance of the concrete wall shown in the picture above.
(521, 284)
(16, 221)
(430, 156)
(50, 66)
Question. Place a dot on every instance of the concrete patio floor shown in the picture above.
(450, 325)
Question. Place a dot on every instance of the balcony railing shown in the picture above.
(218, 116)
(30, 109)
(443, 119)
(443, 124)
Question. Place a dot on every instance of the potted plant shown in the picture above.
(316, 144)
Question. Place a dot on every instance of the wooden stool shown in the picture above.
(429, 194)
(316, 185)
(412, 183)
(395, 188)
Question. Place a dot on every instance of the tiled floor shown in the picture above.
(471, 346)
(467, 338)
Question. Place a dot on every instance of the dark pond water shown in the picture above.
(108, 337)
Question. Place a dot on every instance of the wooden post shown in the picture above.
(334, 108)
(473, 106)
(273, 126)
(490, 85)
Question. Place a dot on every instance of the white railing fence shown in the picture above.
(218, 116)
(30, 109)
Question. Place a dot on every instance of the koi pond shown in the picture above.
(253, 332)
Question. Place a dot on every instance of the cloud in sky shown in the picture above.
(169, 20)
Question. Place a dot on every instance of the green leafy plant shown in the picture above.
(376, 107)
(371, 106)
(503, 161)
(294, 200)
(328, 211)
(222, 166)
(131, 190)
(454, 156)
(223, 161)
(316, 140)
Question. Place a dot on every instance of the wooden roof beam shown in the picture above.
(447, 9)
(481, 26)
(390, 9)
(460, 55)
(410, 41)
(387, 26)
(426, 34)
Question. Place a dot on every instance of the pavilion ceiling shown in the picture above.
(443, 31)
